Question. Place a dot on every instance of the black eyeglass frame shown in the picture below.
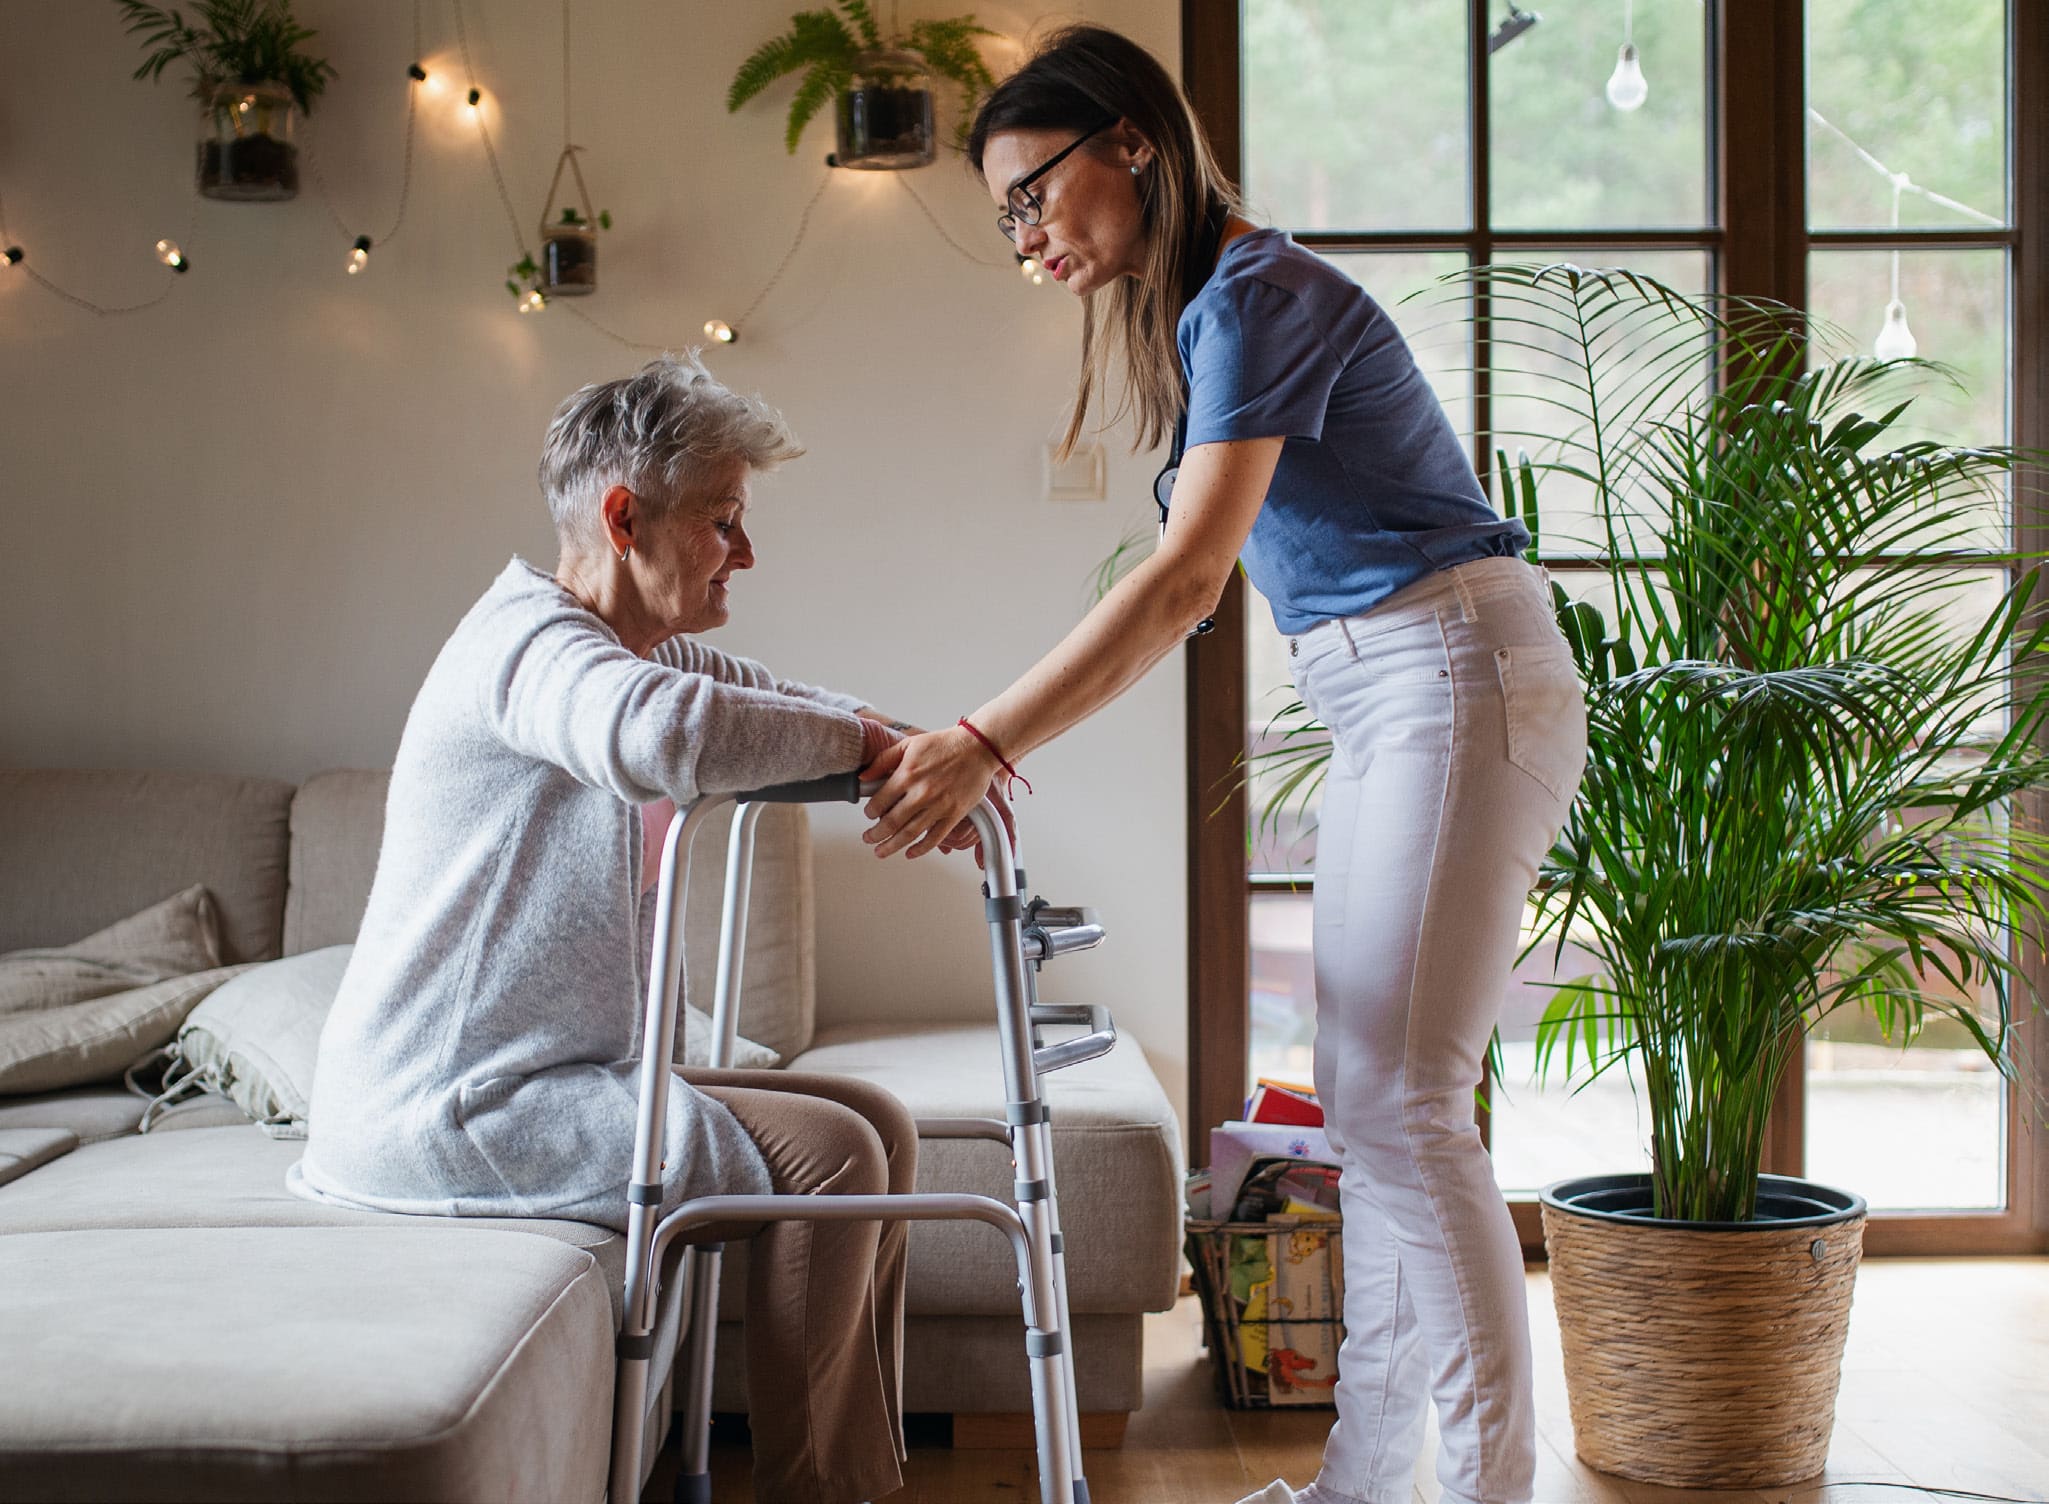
(1025, 205)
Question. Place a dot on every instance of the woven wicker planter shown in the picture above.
(1702, 1354)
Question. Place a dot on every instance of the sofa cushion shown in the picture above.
(95, 1113)
(226, 1177)
(338, 825)
(1116, 1159)
(23, 1149)
(385, 1362)
(256, 1040)
(127, 839)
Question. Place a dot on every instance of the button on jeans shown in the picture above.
(1459, 738)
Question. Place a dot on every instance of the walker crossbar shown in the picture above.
(1032, 1224)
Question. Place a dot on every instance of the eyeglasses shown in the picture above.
(1025, 207)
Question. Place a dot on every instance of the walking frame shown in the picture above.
(1018, 933)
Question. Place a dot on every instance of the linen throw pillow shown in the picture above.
(256, 1041)
(174, 938)
(81, 1013)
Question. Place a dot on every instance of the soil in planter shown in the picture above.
(570, 264)
(886, 128)
(249, 168)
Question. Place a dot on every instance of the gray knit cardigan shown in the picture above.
(480, 1056)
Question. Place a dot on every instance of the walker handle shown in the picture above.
(835, 788)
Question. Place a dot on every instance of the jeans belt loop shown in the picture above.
(1467, 611)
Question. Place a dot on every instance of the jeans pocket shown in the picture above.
(1546, 714)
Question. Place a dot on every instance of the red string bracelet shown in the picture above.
(1015, 776)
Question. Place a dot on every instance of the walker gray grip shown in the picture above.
(837, 788)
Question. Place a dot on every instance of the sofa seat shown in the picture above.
(1116, 1161)
(96, 1113)
(302, 1363)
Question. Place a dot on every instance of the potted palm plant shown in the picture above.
(1805, 748)
(250, 76)
(881, 89)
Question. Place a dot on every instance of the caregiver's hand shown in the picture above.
(934, 779)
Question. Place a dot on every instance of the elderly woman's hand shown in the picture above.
(933, 780)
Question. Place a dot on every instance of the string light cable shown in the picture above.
(1895, 339)
(361, 244)
(14, 260)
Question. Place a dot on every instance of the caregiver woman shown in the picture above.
(1315, 452)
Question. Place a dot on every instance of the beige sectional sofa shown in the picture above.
(178, 1326)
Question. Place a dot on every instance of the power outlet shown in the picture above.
(1082, 476)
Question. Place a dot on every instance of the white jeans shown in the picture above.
(1459, 738)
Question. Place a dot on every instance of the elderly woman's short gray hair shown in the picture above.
(663, 431)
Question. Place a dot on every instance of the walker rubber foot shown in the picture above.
(693, 1488)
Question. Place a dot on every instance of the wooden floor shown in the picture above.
(1945, 1385)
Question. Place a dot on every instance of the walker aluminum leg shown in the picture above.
(693, 1485)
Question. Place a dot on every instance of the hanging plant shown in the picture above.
(250, 76)
(569, 242)
(882, 89)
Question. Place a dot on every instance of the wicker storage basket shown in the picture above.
(1702, 1355)
(1286, 1353)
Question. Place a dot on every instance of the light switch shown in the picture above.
(1079, 477)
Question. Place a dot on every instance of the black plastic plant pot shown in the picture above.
(1782, 1201)
(1702, 1354)
(569, 261)
(885, 115)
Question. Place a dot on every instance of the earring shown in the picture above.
(624, 552)
(1137, 168)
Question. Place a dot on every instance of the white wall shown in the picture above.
(238, 526)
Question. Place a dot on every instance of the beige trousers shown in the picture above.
(825, 1300)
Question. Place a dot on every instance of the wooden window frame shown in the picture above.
(1759, 243)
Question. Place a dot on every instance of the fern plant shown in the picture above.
(229, 41)
(826, 49)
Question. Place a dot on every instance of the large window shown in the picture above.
(1854, 160)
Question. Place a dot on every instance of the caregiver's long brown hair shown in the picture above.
(1081, 78)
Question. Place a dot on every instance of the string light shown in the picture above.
(533, 302)
(1627, 88)
(171, 256)
(360, 256)
(1895, 340)
(1029, 268)
(11, 255)
(417, 74)
(476, 96)
(720, 330)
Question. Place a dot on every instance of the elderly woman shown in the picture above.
(480, 1057)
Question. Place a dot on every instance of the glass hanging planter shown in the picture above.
(246, 151)
(885, 114)
(569, 239)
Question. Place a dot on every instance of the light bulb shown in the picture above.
(1627, 89)
(476, 97)
(359, 255)
(1028, 267)
(417, 74)
(533, 302)
(720, 330)
(1895, 341)
(171, 256)
(11, 256)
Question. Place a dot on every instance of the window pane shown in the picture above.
(1283, 988)
(1565, 158)
(1545, 1131)
(1913, 1129)
(1954, 306)
(1920, 86)
(1355, 115)
(1531, 365)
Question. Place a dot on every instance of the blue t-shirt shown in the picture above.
(1373, 489)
